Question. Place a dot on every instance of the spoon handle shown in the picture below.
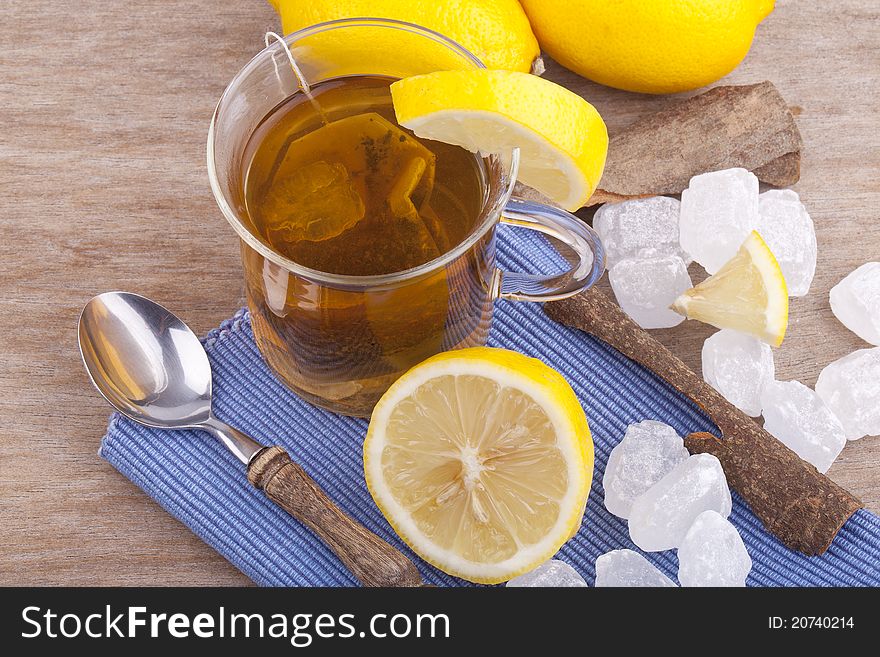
(373, 561)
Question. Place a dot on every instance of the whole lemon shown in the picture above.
(650, 46)
(496, 31)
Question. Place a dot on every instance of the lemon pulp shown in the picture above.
(483, 471)
(748, 294)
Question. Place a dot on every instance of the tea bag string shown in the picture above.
(297, 71)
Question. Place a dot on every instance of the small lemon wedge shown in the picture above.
(748, 294)
(562, 139)
(481, 459)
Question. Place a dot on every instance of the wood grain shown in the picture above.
(105, 108)
(369, 558)
(748, 126)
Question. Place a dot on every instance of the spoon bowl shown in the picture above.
(145, 361)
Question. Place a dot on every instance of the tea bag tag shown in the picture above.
(297, 71)
(303, 83)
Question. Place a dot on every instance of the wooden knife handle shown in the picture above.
(802, 507)
(373, 561)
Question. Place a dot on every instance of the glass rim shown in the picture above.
(492, 211)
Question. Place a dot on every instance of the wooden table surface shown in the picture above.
(104, 109)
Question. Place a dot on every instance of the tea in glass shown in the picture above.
(366, 249)
(333, 183)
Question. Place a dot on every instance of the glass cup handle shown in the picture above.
(588, 265)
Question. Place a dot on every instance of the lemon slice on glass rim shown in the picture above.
(562, 138)
(748, 294)
(481, 460)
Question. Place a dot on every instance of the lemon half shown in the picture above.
(481, 459)
(562, 138)
(748, 294)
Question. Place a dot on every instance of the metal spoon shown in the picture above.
(152, 368)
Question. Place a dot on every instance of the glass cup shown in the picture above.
(340, 341)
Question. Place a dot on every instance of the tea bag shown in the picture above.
(407, 190)
(324, 188)
(316, 202)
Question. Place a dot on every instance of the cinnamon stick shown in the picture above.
(802, 507)
(746, 126)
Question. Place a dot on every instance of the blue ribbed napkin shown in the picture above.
(194, 478)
